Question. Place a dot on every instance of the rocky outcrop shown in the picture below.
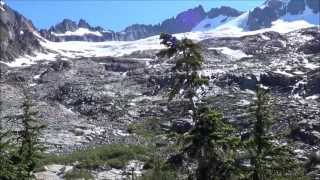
(313, 85)
(223, 10)
(262, 17)
(66, 31)
(277, 79)
(17, 35)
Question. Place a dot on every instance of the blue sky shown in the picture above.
(112, 14)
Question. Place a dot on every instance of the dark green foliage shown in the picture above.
(20, 153)
(114, 155)
(212, 145)
(28, 152)
(210, 142)
(7, 169)
(270, 159)
(160, 170)
(188, 61)
(78, 174)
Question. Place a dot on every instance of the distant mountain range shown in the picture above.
(69, 30)
(195, 19)
(18, 35)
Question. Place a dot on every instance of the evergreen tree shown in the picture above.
(210, 142)
(29, 150)
(7, 169)
(269, 158)
(213, 146)
(188, 62)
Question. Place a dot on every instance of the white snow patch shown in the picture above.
(210, 72)
(237, 24)
(243, 102)
(237, 54)
(78, 32)
(73, 49)
(36, 76)
(297, 72)
(120, 132)
(278, 71)
(309, 65)
(313, 97)
(211, 23)
(29, 60)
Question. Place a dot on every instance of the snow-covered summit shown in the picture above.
(78, 32)
(265, 16)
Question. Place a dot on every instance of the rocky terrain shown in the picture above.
(77, 97)
(87, 99)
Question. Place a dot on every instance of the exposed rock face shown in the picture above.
(64, 26)
(262, 17)
(59, 32)
(313, 86)
(223, 10)
(277, 79)
(314, 5)
(16, 34)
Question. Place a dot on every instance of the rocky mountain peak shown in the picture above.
(263, 16)
(64, 26)
(223, 10)
(83, 24)
(17, 34)
(191, 17)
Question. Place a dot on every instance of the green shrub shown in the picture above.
(114, 155)
(78, 174)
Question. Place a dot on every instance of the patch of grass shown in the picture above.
(148, 128)
(114, 155)
(78, 174)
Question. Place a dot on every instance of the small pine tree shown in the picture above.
(212, 144)
(269, 159)
(7, 169)
(29, 150)
(188, 61)
(159, 170)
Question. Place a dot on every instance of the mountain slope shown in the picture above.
(216, 17)
(16, 34)
(274, 10)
